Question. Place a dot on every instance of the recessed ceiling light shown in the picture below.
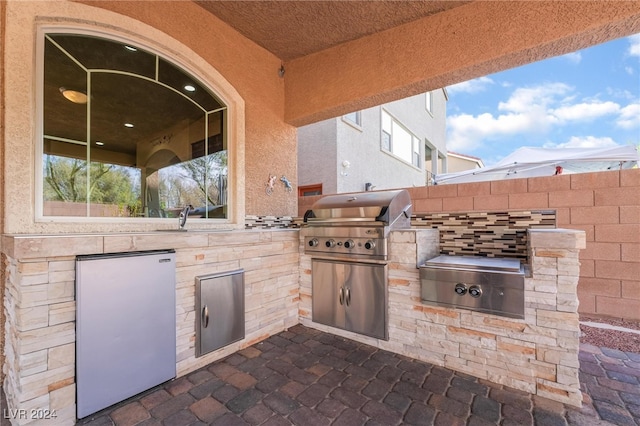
(189, 88)
(130, 48)
(99, 143)
(74, 96)
(129, 125)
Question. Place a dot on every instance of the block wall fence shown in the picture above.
(606, 205)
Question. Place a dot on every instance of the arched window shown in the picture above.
(127, 133)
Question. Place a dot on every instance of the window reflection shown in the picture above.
(154, 138)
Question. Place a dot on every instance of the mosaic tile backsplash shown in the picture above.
(489, 234)
(270, 222)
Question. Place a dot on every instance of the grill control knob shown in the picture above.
(475, 291)
(370, 245)
(460, 289)
(330, 243)
(349, 244)
(313, 242)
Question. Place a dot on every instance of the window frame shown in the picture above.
(415, 141)
(234, 205)
(355, 124)
(316, 187)
(429, 102)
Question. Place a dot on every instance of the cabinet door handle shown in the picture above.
(341, 296)
(205, 316)
(348, 296)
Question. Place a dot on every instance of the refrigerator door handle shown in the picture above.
(205, 316)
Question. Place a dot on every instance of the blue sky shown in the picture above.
(588, 98)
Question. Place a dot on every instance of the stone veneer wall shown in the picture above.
(2, 315)
(487, 234)
(538, 355)
(40, 305)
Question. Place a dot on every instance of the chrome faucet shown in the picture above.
(182, 218)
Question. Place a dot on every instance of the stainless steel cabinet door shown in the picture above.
(351, 296)
(220, 307)
(327, 299)
(366, 299)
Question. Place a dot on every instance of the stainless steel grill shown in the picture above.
(347, 236)
(491, 285)
(356, 225)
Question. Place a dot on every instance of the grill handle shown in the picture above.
(308, 215)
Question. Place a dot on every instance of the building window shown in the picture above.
(307, 190)
(353, 118)
(429, 102)
(127, 133)
(399, 141)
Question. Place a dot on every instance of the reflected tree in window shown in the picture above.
(199, 183)
(141, 137)
(66, 180)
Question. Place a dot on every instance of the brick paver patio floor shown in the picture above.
(306, 377)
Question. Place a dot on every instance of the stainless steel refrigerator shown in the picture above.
(125, 326)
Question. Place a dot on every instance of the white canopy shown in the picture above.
(532, 162)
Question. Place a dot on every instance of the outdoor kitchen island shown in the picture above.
(41, 303)
(538, 354)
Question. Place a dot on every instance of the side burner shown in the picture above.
(490, 285)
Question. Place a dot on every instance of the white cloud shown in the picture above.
(634, 45)
(629, 116)
(574, 57)
(583, 142)
(526, 111)
(525, 98)
(537, 109)
(531, 113)
(619, 93)
(472, 86)
(585, 111)
(467, 131)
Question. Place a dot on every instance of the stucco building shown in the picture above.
(457, 162)
(387, 146)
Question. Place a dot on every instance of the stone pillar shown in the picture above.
(551, 293)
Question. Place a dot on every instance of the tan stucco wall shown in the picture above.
(457, 164)
(242, 73)
(465, 42)
(469, 41)
(270, 144)
(2, 269)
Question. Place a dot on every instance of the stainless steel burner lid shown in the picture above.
(390, 208)
(470, 262)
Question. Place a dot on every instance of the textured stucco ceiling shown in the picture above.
(291, 29)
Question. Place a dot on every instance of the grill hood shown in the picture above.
(382, 208)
